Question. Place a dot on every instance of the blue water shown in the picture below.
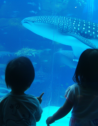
(53, 73)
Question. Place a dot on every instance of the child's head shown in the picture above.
(19, 74)
(87, 69)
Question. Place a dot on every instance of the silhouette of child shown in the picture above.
(82, 97)
(18, 108)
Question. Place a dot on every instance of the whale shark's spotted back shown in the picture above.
(84, 28)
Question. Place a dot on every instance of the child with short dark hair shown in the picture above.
(82, 96)
(18, 108)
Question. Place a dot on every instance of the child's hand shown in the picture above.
(49, 120)
(40, 97)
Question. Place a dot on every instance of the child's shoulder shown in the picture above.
(73, 88)
(24, 97)
(75, 85)
(3, 98)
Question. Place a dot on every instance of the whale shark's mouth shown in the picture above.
(79, 34)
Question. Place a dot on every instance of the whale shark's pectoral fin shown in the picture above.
(82, 39)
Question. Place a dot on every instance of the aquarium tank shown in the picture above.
(52, 34)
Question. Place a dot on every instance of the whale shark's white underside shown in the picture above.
(79, 34)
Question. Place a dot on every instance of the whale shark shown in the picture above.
(66, 58)
(77, 33)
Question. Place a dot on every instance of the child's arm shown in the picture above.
(38, 113)
(63, 111)
(39, 109)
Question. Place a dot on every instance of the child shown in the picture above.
(18, 108)
(82, 96)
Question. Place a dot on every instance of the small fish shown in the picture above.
(34, 12)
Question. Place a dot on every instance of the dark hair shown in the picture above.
(86, 73)
(19, 74)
